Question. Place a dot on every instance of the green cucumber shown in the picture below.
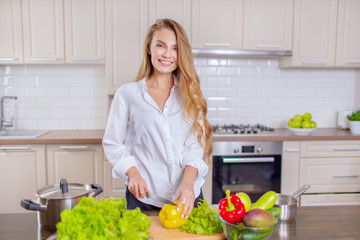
(275, 211)
(249, 235)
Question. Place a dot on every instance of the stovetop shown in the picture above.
(243, 130)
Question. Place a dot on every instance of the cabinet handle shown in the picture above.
(7, 59)
(314, 63)
(291, 150)
(85, 59)
(217, 44)
(73, 147)
(350, 63)
(15, 148)
(267, 46)
(43, 59)
(346, 149)
(346, 176)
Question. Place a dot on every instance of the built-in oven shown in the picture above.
(244, 166)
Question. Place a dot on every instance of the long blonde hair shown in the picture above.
(195, 106)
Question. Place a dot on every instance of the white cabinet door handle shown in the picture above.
(86, 59)
(217, 44)
(346, 149)
(73, 147)
(314, 63)
(15, 148)
(267, 46)
(291, 150)
(7, 59)
(44, 59)
(346, 176)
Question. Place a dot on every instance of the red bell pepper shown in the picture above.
(231, 208)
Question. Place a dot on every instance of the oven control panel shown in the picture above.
(225, 148)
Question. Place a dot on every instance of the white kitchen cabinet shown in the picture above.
(22, 173)
(268, 24)
(11, 46)
(76, 163)
(179, 11)
(85, 31)
(43, 27)
(126, 26)
(113, 187)
(217, 23)
(314, 36)
(290, 167)
(332, 168)
(329, 199)
(348, 33)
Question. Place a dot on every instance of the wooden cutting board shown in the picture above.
(159, 232)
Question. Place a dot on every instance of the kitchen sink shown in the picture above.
(22, 133)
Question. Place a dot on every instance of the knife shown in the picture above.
(158, 198)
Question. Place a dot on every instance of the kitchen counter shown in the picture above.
(335, 222)
(95, 137)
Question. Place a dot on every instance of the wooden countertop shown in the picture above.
(95, 137)
(326, 222)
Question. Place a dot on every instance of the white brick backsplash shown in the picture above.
(238, 90)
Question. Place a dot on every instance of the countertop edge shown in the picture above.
(95, 137)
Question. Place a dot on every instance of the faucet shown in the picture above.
(3, 123)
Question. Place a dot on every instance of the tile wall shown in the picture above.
(55, 96)
(238, 90)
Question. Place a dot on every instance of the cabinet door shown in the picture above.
(348, 36)
(328, 175)
(113, 187)
(126, 26)
(11, 48)
(329, 199)
(268, 24)
(217, 23)
(22, 174)
(290, 167)
(314, 37)
(85, 31)
(43, 26)
(76, 163)
(179, 11)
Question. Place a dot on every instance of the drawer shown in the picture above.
(330, 174)
(330, 149)
(329, 199)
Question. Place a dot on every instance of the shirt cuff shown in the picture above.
(119, 169)
(197, 163)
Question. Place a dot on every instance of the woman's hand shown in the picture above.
(137, 185)
(186, 193)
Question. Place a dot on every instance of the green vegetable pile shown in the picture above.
(204, 219)
(107, 219)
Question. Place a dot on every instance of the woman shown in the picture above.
(157, 135)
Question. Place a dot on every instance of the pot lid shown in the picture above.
(63, 190)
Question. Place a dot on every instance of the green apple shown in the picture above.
(312, 124)
(307, 116)
(298, 117)
(296, 124)
(245, 199)
(290, 122)
(306, 124)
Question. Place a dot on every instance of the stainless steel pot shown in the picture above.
(288, 203)
(53, 199)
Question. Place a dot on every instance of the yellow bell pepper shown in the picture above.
(171, 218)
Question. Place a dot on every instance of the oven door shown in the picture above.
(254, 175)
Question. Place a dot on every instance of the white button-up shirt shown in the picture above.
(159, 144)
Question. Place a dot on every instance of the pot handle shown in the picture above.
(31, 205)
(96, 190)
